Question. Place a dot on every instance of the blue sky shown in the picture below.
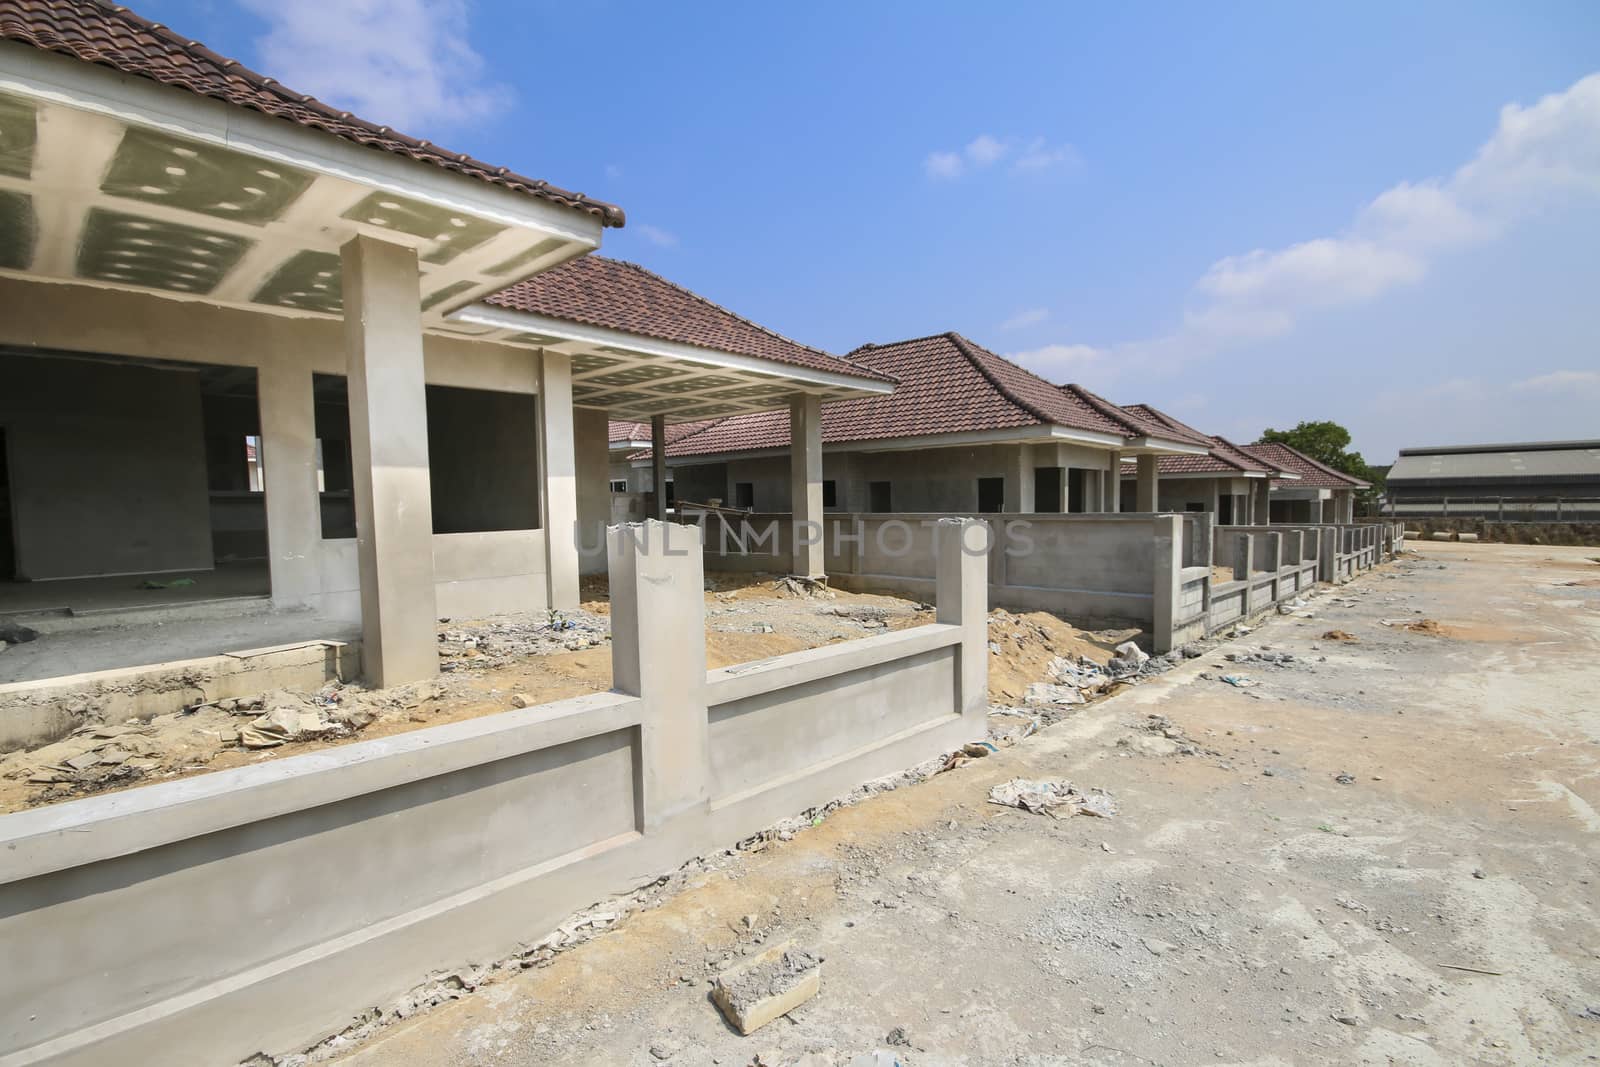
(1248, 214)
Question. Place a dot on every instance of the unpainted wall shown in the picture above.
(108, 468)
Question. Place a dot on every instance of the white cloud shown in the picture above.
(656, 235)
(403, 63)
(1030, 317)
(1059, 363)
(613, 171)
(986, 150)
(1040, 155)
(943, 165)
(1560, 380)
(1536, 155)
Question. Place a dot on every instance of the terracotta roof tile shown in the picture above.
(1140, 423)
(1224, 458)
(1313, 475)
(617, 295)
(948, 385)
(618, 432)
(131, 44)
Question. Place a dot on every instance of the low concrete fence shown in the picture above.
(1139, 569)
(259, 909)
(1274, 564)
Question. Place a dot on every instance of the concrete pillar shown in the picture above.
(289, 457)
(389, 457)
(1261, 511)
(1244, 567)
(658, 654)
(962, 599)
(1168, 580)
(805, 484)
(1327, 554)
(1243, 557)
(1019, 496)
(1273, 564)
(558, 455)
(658, 466)
(1149, 482)
(1113, 482)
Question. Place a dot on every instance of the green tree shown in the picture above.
(1328, 442)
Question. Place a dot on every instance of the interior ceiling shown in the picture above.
(88, 198)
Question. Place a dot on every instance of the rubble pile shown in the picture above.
(100, 756)
(493, 643)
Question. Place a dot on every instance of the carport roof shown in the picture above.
(118, 38)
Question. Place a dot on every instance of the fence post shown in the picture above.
(1244, 558)
(1327, 554)
(1168, 581)
(1558, 509)
(1273, 564)
(961, 598)
(658, 654)
(1500, 510)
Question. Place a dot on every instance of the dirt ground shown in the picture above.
(1382, 851)
(488, 665)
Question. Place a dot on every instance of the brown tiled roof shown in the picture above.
(948, 385)
(1313, 475)
(1138, 423)
(619, 432)
(117, 38)
(618, 295)
(1224, 457)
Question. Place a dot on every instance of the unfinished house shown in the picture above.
(965, 432)
(1227, 481)
(264, 358)
(1318, 494)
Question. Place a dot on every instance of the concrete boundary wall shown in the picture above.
(261, 908)
(1142, 569)
(1274, 564)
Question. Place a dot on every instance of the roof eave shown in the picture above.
(483, 314)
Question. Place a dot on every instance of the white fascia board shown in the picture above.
(1031, 435)
(61, 79)
(522, 321)
(628, 446)
(1159, 446)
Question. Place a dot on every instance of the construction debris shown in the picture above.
(14, 633)
(1054, 797)
(766, 986)
(1339, 635)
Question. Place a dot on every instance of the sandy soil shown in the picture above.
(1385, 851)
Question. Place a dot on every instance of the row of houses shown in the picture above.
(967, 431)
(307, 360)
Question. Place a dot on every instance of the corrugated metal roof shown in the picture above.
(1579, 460)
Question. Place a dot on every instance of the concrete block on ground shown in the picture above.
(767, 986)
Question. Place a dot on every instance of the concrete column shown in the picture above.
(289, 456)
(658, 654)
(1273, 564)
(1149, 482)
(389, 456)
(1261, 511)
(1348, 507)
(558, 455)
(658, 465)
(1327, 554)
(1113, 482)
(1243, 557)
(1019, 495)
(1244, 567)
(1168, 580)
(962, 599)
(805, 484)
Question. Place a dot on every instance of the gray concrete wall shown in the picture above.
(261, 908)
(108, 471)
(926, 480)
(484, 454)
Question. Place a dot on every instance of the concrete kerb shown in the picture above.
(200, 920)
